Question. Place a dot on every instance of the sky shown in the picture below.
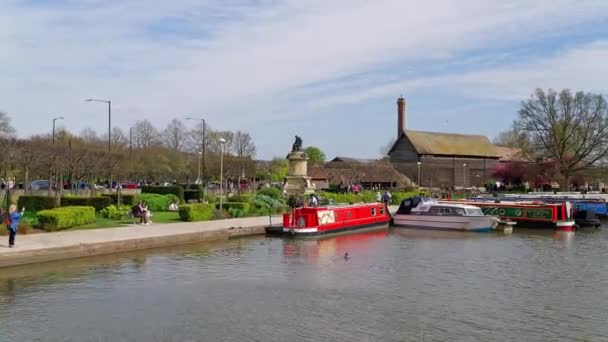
(327, 70)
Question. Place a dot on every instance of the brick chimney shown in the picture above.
(400, 116)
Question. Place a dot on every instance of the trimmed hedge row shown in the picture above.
(158, 202)
(126, 199)
(193, 195)
(234, 205)
(35, 203)
(67, 217)
(99, 203)
(164, 190)
(196, 212)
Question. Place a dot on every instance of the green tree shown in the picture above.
(279, 168)
(315, 155)
(571, 129)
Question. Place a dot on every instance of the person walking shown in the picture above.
(13, 219)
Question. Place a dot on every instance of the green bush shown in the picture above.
(66, 217)
(126, 199)
(114, 212)
(271, 192)
(193, 195)
(210, 198)
(236, 205)
(35, 203)
(234, 212)
(244, 198)
(164, 190)
(196, 212)
(99, 203)
(157, 202)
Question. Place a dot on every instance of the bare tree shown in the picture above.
(90, 136)
(144, 134)
(119, 139)
(174, 135)
(6, 130)
(243, 145)
(387, 147)
(570, 129)
(516, 139)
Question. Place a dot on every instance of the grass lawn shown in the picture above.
(157, 217)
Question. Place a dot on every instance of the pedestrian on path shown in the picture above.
(13, 223)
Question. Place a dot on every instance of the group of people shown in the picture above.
(11, 219)
(142, 212)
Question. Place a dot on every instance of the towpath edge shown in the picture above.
(36, 248)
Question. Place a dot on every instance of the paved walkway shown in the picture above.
(43, 247)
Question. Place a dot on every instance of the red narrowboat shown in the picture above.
(320, 221)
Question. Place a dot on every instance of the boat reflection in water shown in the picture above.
(312, 250)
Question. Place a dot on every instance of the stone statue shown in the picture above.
(297, 145)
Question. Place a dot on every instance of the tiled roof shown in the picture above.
(511, 154)
(450, 144)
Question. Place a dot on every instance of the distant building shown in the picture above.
(366, 172)
(444, 159)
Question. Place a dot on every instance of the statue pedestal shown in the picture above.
(297, 182)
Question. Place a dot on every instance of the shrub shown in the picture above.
(236, 205)
(271, 192)
(126, 199)
(164, 190)
(268, 203)
(234, 212)
(66, 217)
(210, 198)
(244, 198)
(114, 212)
(36, 203)
(196, 212)
(157, 202)
(193, 195)
(99, 203)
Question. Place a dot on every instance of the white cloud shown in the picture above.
(253, 55)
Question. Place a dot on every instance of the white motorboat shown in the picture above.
(426, 213)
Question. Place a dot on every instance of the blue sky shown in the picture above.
(328, 70)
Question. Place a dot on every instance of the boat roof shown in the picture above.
(432, 202)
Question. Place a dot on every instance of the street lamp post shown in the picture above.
(464, 175)
(109, 120)
(198, 178)
(419, 164)
(54, 120)
(222, 142)
(204, 143)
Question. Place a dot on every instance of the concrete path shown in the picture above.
(44, 247)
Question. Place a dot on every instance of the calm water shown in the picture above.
(397, 286)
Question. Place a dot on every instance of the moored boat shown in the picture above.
(320, 221)
(425, 213)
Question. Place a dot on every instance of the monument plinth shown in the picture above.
(297, 182)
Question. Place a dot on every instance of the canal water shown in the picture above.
(400, 285)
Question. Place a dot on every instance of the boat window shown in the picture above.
(474, 212)
(373, 211)
(381, 211)
(459, 211)
(446, 211)
(436, 211)
(407, 202)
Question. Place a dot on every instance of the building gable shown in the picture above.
(403, 151)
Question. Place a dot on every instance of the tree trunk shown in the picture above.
(26, 185)
(50, 183)
(58, 188)
(118, 192)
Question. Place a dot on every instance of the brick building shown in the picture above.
(442, 159)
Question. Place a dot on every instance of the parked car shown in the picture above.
(40, 185)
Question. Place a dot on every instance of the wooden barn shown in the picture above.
(442, 159)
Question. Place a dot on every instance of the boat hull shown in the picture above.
(448, 223)
(320, 232)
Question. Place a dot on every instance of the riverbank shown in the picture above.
(37, 248)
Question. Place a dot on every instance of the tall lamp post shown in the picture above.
(55, 120)
(222, 142)
(109, 120)
(464, 175)
(204, 143)
(419, 164)
(198, 178)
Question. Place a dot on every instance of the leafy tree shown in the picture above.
(279, 168)
(267, 202)
(6, 129)
(315, 155)
(175, 135)
(570, 129)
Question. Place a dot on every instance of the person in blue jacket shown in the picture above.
(13, 223)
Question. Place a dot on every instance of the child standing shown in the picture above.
(13, 223)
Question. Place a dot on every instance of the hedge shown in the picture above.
(158, 202)
(244, 198)
(99, 203)
(271, 192)
(66, 217)
(193, 195)
(164, 190)
(234, 205)
(35, 203)
(125, 199)
(196, 212)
